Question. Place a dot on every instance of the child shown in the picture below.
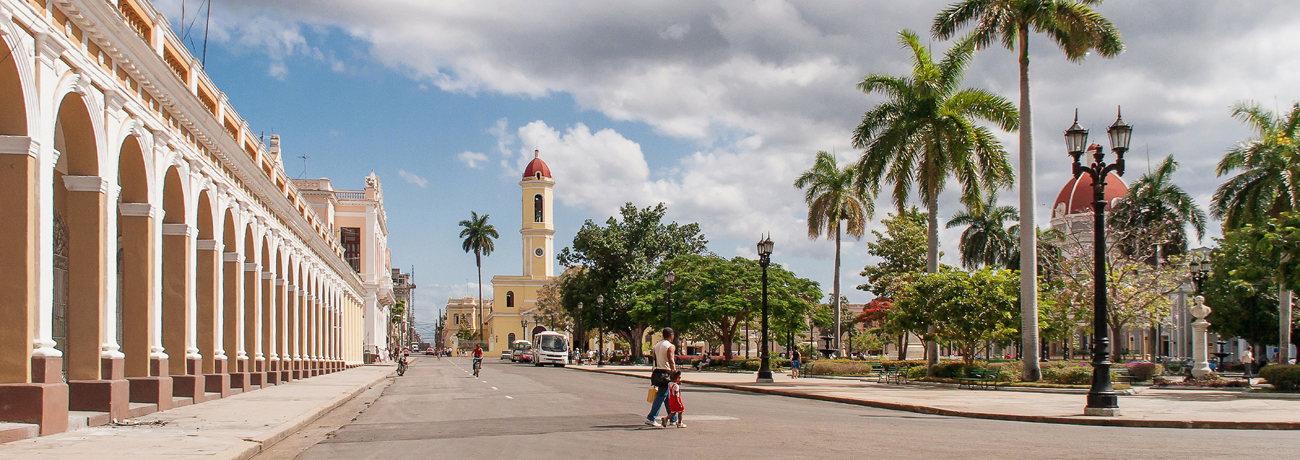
(675, 406)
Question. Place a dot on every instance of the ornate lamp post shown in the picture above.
(1199, 271)
(669, 279)
(600, 312)
(1102, 400)
(577, 323)
(764, 259)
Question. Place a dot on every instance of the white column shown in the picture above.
(1200, 345)
(47, 70)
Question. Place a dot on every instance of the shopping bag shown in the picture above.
(650, 398)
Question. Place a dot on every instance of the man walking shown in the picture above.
(665, 355)
(1247, 363)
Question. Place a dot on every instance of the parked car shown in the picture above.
(430, 351)
(505, 354)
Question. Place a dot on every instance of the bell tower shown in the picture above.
(538, 229)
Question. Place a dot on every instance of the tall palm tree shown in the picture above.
(1077, 30)
(926, 131)
(1155, 205)
(831, 196)
(1268, 185)
(986, 240)
(478, 235)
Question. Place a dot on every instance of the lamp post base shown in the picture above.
(1101, 411)
(765, 376)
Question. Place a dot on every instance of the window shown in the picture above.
(510, 299)
(456, 318)
(350, 237)
(537, 208)
(512, 338)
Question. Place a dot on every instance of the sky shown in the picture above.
(712, 107)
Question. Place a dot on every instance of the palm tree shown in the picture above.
(1268, 185)
(1156, 206)
(1077, 30)
(926, 130)
(986, 240)
(831, 196)
(478, 235)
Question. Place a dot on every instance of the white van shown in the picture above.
(550, 348)
(517, 349)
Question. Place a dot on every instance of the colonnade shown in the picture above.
(139, 262)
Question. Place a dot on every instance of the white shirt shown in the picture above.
(663, 359)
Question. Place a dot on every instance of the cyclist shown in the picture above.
(401, 366)
(478, 358)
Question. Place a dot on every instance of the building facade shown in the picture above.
(515, 297)
(460, 326)
(403, 331)
(153, 246)
(358, 219)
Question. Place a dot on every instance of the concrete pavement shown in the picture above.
(1150, 407)
(236, 427)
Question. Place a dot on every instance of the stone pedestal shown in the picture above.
(296, 371)
(39, 402)
(1200, 342)
(191, 385)
(240, 378)
(219, 380)
(112, 393)
(155, 389)
(273, 372)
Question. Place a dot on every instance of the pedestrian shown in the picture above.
(794, 364)
(1247, 361)
(675, 405)
(664, 351)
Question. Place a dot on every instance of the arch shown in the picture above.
(232, 278)
(266, 312)
(178, 267)
(13, 99)
(75, 137)
(135, 268)
(510, 299)
(538, 205)
(250, 275)
(206, 285)
(173, 197)
(510, 340)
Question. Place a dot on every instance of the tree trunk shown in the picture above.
(478, 261)
(839, 347)
(903, 342)
(1284, 326)
(1028, 237)
(932, 266)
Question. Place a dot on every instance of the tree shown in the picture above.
(985, 242)
(1077, 30)
(901, 253)
(1242, 287)
(1268, 185)
(478, 235)
(715, 296)
(1155, 204)
(550, 310)
(926, 131)
(619, 255)
(967, 308)
(831, 197)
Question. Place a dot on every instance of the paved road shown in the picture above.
(439, 410)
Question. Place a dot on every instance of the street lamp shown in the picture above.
(1199, 272)
(523, 326)
(600, 313)
(577, 322)
(669, 279)
(1102, 400)
(764, 259)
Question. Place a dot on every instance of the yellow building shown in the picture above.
(462, 314)
(515, 297)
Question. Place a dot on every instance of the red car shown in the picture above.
(430, 352)
(526, 356)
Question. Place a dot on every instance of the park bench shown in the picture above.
(980, 378)
(735, 366)
(892, 374)
(1124, 376)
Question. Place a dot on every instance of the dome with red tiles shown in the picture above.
(537, 166)
(1076, 197)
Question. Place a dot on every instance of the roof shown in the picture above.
(1076, 196)
(536, 166)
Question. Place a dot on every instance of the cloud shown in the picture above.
(412, 178)
(472, 159)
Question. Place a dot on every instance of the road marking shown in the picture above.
(695, 418)
(508, 397)
(494, 388)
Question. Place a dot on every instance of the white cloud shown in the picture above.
(411, 178)
(472, 159)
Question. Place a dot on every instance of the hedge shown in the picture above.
(1283, 377)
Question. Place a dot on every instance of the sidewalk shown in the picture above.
(236, 427)
(1161, 408)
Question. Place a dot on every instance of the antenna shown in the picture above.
(207, 22)
(304, 165)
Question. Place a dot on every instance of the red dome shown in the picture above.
(1076, 197)
(537, 166)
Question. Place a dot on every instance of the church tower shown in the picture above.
(538, 227)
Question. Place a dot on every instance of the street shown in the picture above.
(439, 410)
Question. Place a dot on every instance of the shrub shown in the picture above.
(1067, 375)
(1143, 371)
(1283, 377)
(955, 370)
(840, 367)
(916, 372)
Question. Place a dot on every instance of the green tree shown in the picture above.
(926, 130)
(478, 235)
(967, 308)
(901, 250)
(624, 252)
(1269, 181)
(1077, 30)
(1155, 204)
(986, 241)
(832, 198)
(1242, 287)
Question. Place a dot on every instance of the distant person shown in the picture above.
(664, 351)
(1247, 362)
(795, 357)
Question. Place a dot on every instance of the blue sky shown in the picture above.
(712, 107)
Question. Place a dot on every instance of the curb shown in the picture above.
(254, 445)
(1197, 424)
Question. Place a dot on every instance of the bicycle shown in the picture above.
(478, 364)
(401, 368)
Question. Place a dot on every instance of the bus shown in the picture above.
(551, 348)
(517, 349)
